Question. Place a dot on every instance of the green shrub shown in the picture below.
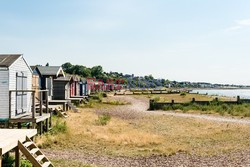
(26, 163)
(98, 97)
(103, 119)
(167, 107)
(90, 104)
(76, 103)
(59, 127)
(104, 94)
(8, 161)
(156, 98)
(178, 107)
(183, 94)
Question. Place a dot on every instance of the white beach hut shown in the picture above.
(16, 76)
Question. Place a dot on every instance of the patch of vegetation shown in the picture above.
(218, 107)
(156, 98)
(98, 97)
(26, 163)
(183, 94)
(60, 126)
(103, 119)
(104, 94)
(59, 129)
(90, 104)
(9, 161)
(76, 103)
(116, 102)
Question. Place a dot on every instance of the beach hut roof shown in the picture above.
(6, 60)
(50, 70)
(66, 78)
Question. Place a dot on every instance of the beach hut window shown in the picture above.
(21, 96)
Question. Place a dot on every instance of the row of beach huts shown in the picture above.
(29, 95)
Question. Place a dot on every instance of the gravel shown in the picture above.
(139, 108)
(237, 159)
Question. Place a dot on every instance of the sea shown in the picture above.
(243, 93)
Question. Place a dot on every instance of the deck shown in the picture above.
(64, 103)
(76, 99)
(10, 137)
(28, 118)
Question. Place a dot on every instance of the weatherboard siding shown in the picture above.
(4, 94)
(20, 66)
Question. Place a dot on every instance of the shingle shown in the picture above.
(7, 60)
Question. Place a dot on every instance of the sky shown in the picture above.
(183, 40)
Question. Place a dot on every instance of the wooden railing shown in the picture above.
(42, 93)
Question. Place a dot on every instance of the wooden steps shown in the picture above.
(72, 106)
(34, 154)
(61, 113)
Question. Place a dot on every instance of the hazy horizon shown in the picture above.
(197, 41)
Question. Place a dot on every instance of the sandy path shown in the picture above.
(142, 104)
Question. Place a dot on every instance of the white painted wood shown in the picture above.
(10, 137)
(4, 94)
(8, 82)
(20, 66)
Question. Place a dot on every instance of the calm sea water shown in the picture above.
(243, 93)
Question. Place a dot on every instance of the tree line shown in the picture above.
(96, 71)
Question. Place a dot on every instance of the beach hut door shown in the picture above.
(49, 86)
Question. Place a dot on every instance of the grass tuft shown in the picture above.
(116, 102)
(59, 127)
(183, 94)
(103, 119)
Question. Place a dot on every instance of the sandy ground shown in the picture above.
(140, 105)
(139, 108)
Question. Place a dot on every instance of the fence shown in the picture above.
(147, 92)
(153, 105)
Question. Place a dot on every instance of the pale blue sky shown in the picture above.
(185, 40)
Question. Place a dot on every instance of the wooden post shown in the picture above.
(17, 157)
(238, 99)
(151, 104)
(67, 107)
(47, 102)
(1, 157)
(50, 119)
(19, 125)
(40, 127)
(41, 103)
(33, 125)
(33, 105)
(47, 125)
(10, 105)
(172, 102)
